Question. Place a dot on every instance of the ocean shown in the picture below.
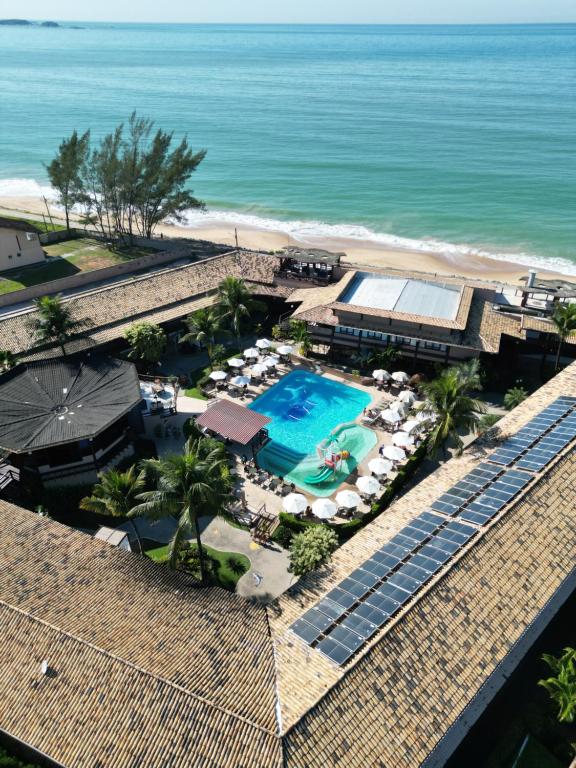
(459, 138)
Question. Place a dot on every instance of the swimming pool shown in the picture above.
(309, 411)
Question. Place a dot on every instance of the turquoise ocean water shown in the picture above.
(445, 134)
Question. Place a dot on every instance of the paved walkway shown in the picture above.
(268, 576)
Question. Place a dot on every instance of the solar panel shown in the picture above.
(347, 638)
(360, 625)
(334, 610)
(377, 616)
(365, 577)
(334, 651)
(426, 563)
(381, 602)
(448, 503)
(345, 599)
(306, 631)
(367, 598)
(405, 582)
(355, 588)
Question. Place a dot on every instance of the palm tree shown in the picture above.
(190, 485)
(514, 396)
(564, 318)
(53, 322)
(7, 360)
(562, 686)
(301, 335)
(203, 327)
(235, 304)
(449, 404)
(115, 495)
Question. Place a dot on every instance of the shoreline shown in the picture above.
(361, 253)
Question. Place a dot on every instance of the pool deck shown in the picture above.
(255, 496)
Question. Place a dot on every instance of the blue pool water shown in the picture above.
(307, 409)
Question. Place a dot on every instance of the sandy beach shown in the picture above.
(367, 254)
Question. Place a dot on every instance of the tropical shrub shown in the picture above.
(148, 342)
(562, 685)
(514, 397)
(311, 549)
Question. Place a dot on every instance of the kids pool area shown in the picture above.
(313, 440)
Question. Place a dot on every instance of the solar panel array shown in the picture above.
(353, 611)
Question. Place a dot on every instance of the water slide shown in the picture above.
(325, 474)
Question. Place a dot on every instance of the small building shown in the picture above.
(19, 244)
(63, 420)
(114, 537)
(235, 423)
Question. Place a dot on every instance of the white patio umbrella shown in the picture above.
(258, 369)
(381, 375)
(402, 439)
(400, 407)
(270, 361)
(407, 397)
(218, 375)
(390, 416)
(324, 508)
(348, 499)
(400, 377)
(251, 352)
(379, 466)
(285, 349)
(295, 503)
(412, 425)
(240, 381)
(394, 453)
(235, 362)
(263, 344)
(368, 485)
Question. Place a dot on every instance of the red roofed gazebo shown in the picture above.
(234, 422)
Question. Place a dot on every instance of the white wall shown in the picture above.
(19, 248)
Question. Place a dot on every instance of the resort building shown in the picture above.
(19, 244)
(64, 419)
(385, 657)
(424, 317)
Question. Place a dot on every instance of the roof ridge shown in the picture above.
(138, 668)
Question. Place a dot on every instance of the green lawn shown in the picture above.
(69, 257)
(219, 564)
(43, 227)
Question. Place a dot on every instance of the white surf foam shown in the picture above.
(318, 232)
(24, 188)
(312, 231)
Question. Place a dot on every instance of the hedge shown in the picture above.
(290, 525)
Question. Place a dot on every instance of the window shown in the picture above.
(434, 345)
(18, 254)
(30, 236)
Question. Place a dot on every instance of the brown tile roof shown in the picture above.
(149, 669)
(115, 626)
(158, 296)
(233, 421)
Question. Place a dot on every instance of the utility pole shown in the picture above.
(236, 236)
(48, 210)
